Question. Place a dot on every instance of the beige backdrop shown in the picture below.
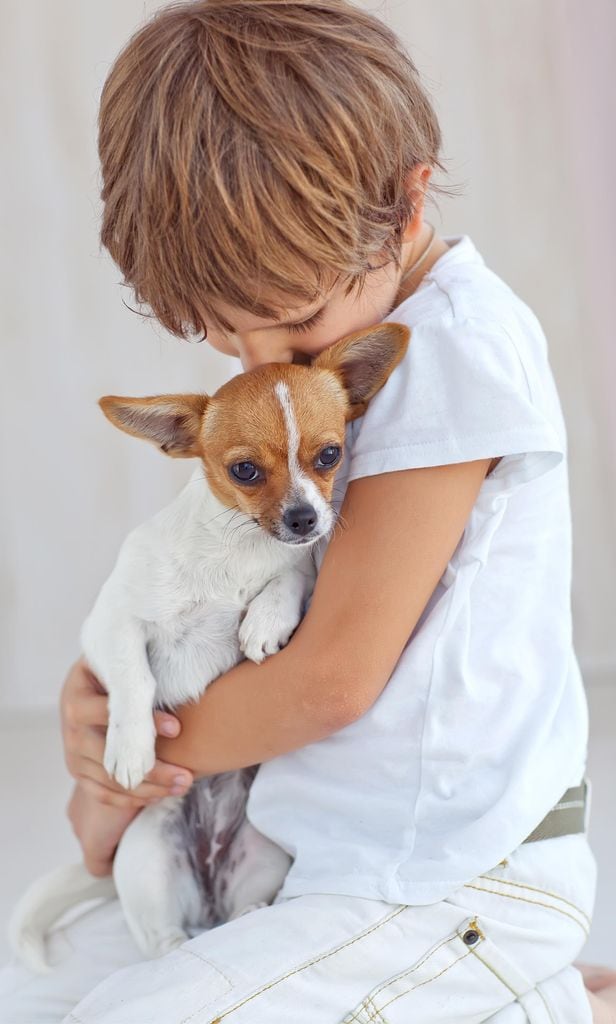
(526, 104)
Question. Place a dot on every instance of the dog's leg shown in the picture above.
(115, 649)
(274, 614)
(252, 874)
(159, 894)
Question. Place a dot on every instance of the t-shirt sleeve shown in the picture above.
(461, 393)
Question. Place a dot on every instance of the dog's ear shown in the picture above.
(363, 361)
(171, 422)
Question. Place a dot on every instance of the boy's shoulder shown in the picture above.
(475, 382)
(459, 288)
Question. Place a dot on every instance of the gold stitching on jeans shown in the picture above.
(534, 888)
(535, 903)
(214, 967)
(377, 991)
(507, 985)
(371, 1018)
(428, 980)
(303, 967)
(496, 974)
(372, 1013)
(398, 977)
(377, 1015)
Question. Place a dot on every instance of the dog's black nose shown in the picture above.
(301, 519)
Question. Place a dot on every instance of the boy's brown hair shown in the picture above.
(253, 149)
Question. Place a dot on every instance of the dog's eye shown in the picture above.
(245, 472)
(328, 457)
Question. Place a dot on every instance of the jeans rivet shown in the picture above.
(470, 937)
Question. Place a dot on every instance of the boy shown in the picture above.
(265, 168)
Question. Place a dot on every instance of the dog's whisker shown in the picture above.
(234, 510)
(246, 526)
(233, 514)
(340, 524)
(224, 511)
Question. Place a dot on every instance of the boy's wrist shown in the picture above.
(98, 827)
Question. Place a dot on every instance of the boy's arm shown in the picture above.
(396, 535)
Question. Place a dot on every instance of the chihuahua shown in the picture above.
(223, 572)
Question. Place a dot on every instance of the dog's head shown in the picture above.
(270, 439)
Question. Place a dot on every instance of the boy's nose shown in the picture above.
(301, 519)
(255, 353)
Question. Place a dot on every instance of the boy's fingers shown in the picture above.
(93, 709)
(166, 724)
(97, 867)
(171, 776)
(162, 781)
(107, 791)
(108, 796)
(87, 710)
(81, 679)
(86, 754)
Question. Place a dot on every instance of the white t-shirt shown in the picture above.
(483, 723)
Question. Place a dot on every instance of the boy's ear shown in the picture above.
(363, 361)
(172, 422)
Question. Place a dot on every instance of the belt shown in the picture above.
(567, 817)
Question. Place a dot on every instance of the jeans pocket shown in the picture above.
(525, 993)
(556, 875)
(462, 979)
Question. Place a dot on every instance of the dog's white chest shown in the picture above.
(184, 603)
(191, 649)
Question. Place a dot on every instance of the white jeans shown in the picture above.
(499, 949)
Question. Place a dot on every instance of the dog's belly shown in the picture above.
(234, 867)
(212, 812)
(192, 649)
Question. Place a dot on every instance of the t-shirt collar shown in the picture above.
(461, 250)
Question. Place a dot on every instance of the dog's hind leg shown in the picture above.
(252, 873)
(159, 894)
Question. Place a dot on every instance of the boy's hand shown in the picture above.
(84, 714)
(98, 828)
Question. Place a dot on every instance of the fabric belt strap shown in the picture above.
(567, 817)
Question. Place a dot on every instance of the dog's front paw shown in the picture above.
(266, 629)
(129, 750)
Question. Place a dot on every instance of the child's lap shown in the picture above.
(498, 949)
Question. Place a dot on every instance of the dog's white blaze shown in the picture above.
(301, 486)
(282, 393)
